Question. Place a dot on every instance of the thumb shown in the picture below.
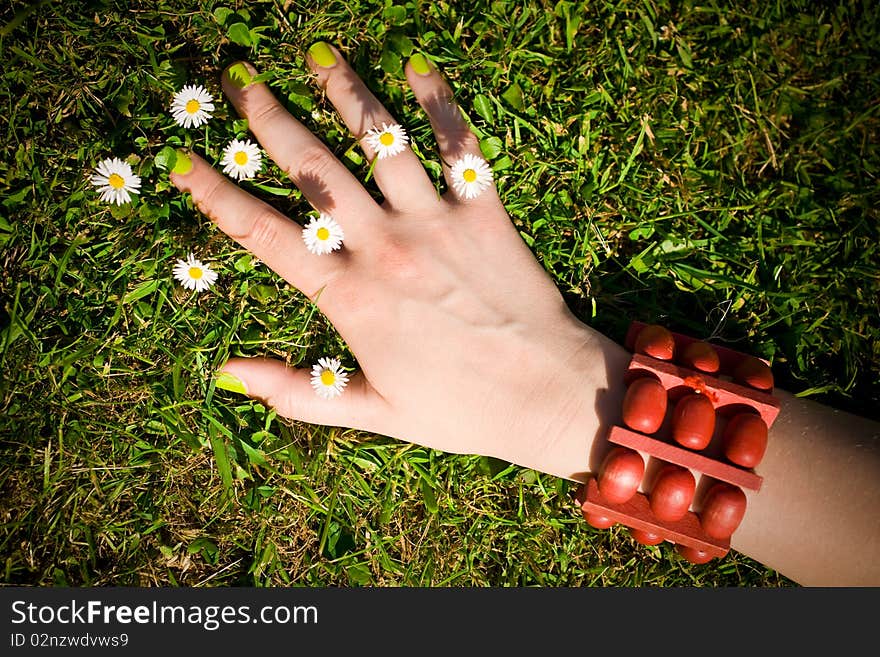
(290, 392)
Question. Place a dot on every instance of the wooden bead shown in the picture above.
(645, 538)
(621, 474)
(672, 492)
(693, 555)
(655, 341)
(644, 405)
(723, 509)
(754, 372)
(700, 356)
(598, 521)
(693, 421)
(745, 439)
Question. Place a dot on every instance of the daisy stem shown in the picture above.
(370, 170)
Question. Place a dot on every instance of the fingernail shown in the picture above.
(183, 163)
(239, 75)
(226, 381)
(420, 64)
(322, 55)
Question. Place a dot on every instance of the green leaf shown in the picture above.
(221, 458)
(142, 290)
(428, 495)
(514, 96)
(240, 33)
(395, 14)
(491, 147)
(222, 14)
(123, 101)
(641, 232)
(166, 158)
(483, 107)
(255, 456)
(685, 53)
(390, 62)
(401, 44)
(359, 574)
(262, 293)
(276, 191)
(206, 547)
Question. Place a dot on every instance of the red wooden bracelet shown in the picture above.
(694, 425)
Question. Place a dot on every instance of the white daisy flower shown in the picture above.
(192, 106)
(193, 274)
(115, 180)
(388, 140)
(328, 379)
(241, 159)
(470, 176)
(322, 234)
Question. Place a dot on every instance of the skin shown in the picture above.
(465, 345)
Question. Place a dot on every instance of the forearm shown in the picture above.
(816, 518)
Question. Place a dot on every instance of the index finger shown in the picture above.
(256, 225)
(328, 185)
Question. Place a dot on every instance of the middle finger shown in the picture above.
(401, 177)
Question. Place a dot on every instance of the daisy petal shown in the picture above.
(323, 235)
(328, 378)
(192, 106)
(115, 181)
(241, 159)
(471, 176)
(193, 274)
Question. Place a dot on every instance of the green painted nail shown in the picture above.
(239, 75)
(420, 64)
(322, 55)
(183, 164)
(226, 381)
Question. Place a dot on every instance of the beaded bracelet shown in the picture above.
(695, 425)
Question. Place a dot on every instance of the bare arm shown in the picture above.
(816, 519)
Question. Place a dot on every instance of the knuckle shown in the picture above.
(398, 260)
(263, 229)
(314, 163)
(207, 201)
(265, 113)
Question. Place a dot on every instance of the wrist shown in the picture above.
(584, 400)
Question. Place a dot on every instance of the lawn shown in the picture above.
(709, 166)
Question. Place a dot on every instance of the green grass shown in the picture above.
(712, 167)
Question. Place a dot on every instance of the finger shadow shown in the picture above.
(316, 192)
(368, 119)
(451, 130)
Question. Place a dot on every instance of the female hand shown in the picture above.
(463, 341)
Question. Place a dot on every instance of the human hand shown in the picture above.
(463, 341)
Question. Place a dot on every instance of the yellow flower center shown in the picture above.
(469, 175)
(323, 233)
(328, 378)
(386, 139)
(195, 273)
(192, 106)
(116, 181)
(241, 158)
